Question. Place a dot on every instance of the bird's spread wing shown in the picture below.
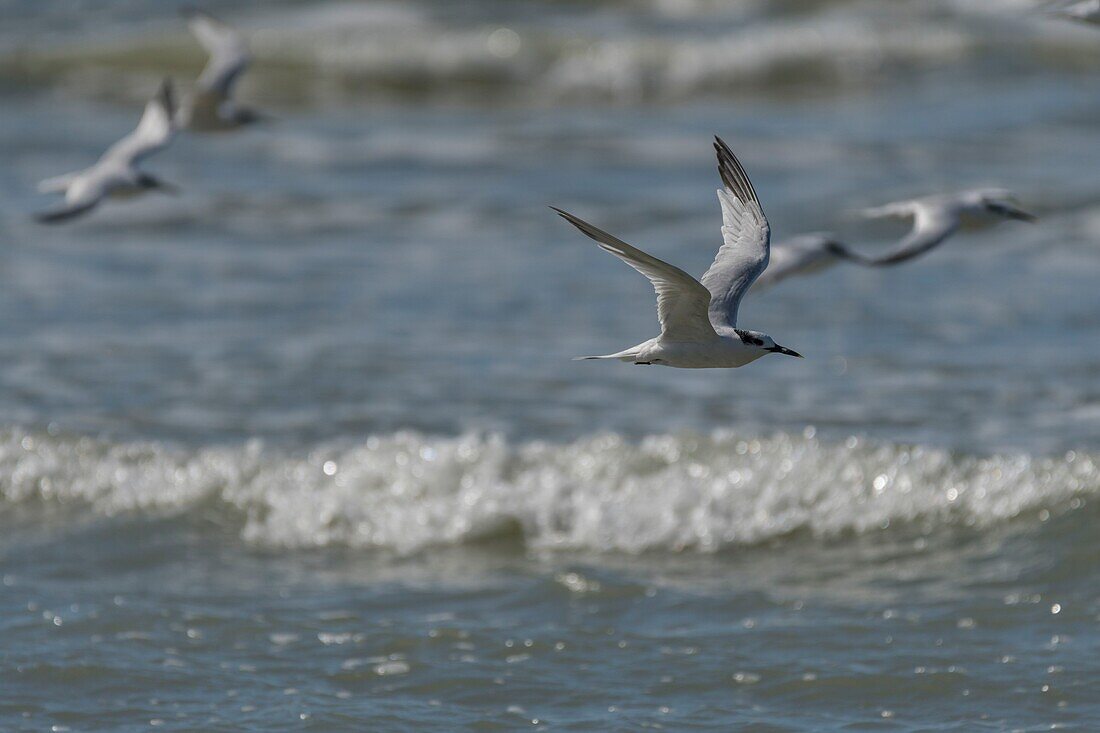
(801, 255)
(745, 241)
(155, 130)
(229, 55)
(84, 193)
(64, 213)
(682, 301)
(932, 224)
(57, 184)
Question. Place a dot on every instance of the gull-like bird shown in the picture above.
(116, 173)
(211, 107)
(1083, 11)
(935, 218)
(699, 318)
(805, 254)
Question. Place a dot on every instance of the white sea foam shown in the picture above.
(406, 491)
(344, 49)
(557, 61)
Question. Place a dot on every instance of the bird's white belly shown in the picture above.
(719, 354)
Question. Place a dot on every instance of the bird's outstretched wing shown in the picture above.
(64, 213)
(57, 184)
(802, 255)
(155, 130)
(745, 241)
(932, 224)
(85, 192)
(229, 55)
(682, 301)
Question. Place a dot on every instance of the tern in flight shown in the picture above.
(1083, 11)
(935, 218)
(805, 254)
(116, 173)
(211, 107)
(699, 318)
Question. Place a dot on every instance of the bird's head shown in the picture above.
(1002, 204)
(765, 343)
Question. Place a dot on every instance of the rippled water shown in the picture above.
(302, 448)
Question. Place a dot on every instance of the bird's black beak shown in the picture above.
(784, 350)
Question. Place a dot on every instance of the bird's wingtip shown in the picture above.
(733, 173)
(166, 96)
(50, 217)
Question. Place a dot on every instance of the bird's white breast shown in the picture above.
(721, 353)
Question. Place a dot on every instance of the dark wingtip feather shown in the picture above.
(569, 218)
(167, 97)
(584, 226)
(847, 253)
(841, 250)
(64, 213)
(605, 240)
(56, 216)
(733, 175)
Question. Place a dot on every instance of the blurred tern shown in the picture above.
(805, 254)
(935, 218)
(699, 318)
(116, 173)
(211, 108)
(1084, 11)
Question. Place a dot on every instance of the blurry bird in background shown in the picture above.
(116, 174)
(805, 254)
(211, 107)
(1083, 11)
(935, 219)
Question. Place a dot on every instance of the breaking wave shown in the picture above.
(406, 491)
(666, 50)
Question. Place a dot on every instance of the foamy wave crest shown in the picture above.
(566, 62)
(342, 49)
(405, 492)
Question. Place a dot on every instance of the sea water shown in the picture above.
(302, 448)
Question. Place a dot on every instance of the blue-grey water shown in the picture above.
(302, 448)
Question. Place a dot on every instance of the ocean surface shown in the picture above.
(302, 447)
